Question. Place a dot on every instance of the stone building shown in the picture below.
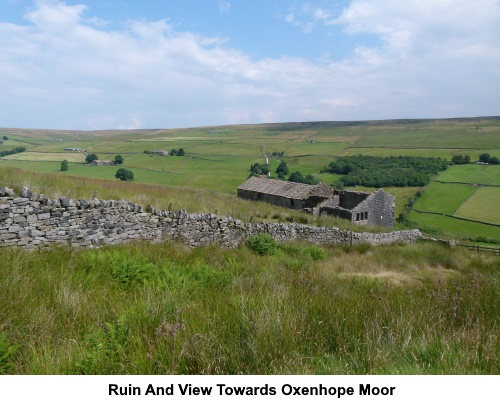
(285, 193)
(160, 152)
(359, 207)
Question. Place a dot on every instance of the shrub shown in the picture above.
(124, 175)
(64, 165)
(316, 252)
(263, 244)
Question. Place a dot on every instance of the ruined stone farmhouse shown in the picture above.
(359, 207)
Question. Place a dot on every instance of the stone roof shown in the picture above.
(286, 188)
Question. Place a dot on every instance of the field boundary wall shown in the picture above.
(34, 220)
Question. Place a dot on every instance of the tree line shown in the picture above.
(483, 158)
(393, 171)
(17, 149)
(282, 171)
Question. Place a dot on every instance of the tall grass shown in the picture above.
(168, 309)
(163, 197)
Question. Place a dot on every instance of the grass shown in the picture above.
(47, 157)
(220, 161)
(484, 205)
(473, 174)
(168, 309)
(451, 228)
(444, 198)
(161, 197)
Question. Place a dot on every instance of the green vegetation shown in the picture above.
(124, 175)
(118, 159)
(400, 171)
(167, 309)
(297, 177)
(482, 206)
(257, 169)
(263, 244)
(219, 158)
(91, 157)
(64, 166)
(444, 198)
(18, 149)
(282, 170)
(460, 159)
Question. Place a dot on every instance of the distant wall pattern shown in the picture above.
(35, 220)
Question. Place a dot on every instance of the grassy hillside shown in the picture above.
(168, 309)
(218, 158)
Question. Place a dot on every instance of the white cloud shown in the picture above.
(224, 6)
(61, 70)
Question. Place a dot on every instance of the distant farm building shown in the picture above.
(73, 149)
(102, 163)
(160, 152)
(364, 208)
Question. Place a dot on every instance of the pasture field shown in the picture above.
(219, 158)
(453, 228)
(48, 157)
(444, 198)
(483, 205)
(473, 174)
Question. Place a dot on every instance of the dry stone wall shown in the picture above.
(34, 220)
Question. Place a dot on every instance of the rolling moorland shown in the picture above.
(218, 160)
(263, 308)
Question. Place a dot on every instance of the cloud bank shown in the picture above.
(64, 69)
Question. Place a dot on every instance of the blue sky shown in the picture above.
(109, 64)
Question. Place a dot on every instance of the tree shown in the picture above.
(484, 157)
(118, 159)
(310, 179)
(282, 169)
(180, 152)
(257, 169)
(173, 152)
(494, 160)
(64, 165)
(458, 160)
(296, 177)
(5, 138)
(124, 175)
(91, 158)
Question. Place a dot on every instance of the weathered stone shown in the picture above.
(26, 192)
(6, 192)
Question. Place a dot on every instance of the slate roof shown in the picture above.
(286, 189)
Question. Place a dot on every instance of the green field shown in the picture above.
(48, 157)
(444, 198)
(484, 205)
(219, 158)
(473, 174)
(454, 228)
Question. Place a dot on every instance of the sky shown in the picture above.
(123, 64)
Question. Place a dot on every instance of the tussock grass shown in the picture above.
(168, 309)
